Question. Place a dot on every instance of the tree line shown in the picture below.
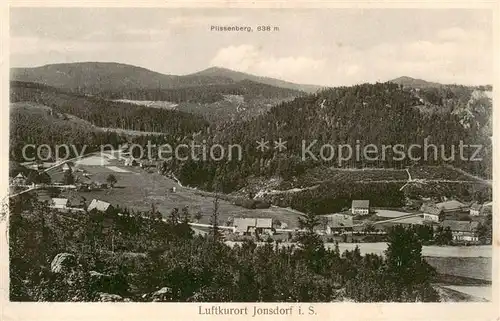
(140, 254)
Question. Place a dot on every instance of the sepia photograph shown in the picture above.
(226, 155)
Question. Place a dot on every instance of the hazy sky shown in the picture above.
(320, 46)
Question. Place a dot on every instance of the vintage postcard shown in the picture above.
(249, 161)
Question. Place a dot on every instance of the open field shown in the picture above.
(481, 292)
(139, 190)
(390, 213)
(472, 267)
(460, 294)
(481, 251)
(149, 103)
(93, 161)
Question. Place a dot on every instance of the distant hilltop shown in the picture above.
(420, 83)
(93, 77)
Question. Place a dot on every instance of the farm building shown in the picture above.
(19, 179)
(60, 203)
(462, 230)
(76, 201)
(477, 209)
(432, 213)
(66, 167)
(338, 222)
(361, 207)
(244, 226)
(264, 225)
(99, 206)
(452, 206)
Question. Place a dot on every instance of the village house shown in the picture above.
(246, 226)
(76, 201)
(19, 179)
(432, 213)
(338, 222)
(66, 167)
(462, 231)
(452, 206)
(59, 203)
(360, 207)
(264, 225)
(438, 212)
(477, 209)
(100, 206)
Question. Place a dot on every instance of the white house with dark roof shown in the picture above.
(462, 230)
(19, 179)
(360, 207)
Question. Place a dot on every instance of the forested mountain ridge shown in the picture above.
(239, 76)
(414, 82)
(420, 83)
(217, 94)
(104, 113)
(45, 115)
(95, 77)
(379, 114)
(372, 114)
(241, 100)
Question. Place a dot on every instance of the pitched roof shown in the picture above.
(361, 203)
(98, 205)
(60, 202)
(430, 209)
(75, 200)
(476, 206)
(20, 175)
(242, 223)
(460, 226)
(339, 220)
(450, 205)
(264, 223)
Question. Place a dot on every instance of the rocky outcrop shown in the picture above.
(99, 281)
(63, 262)
(163, 294)
(107, 297)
